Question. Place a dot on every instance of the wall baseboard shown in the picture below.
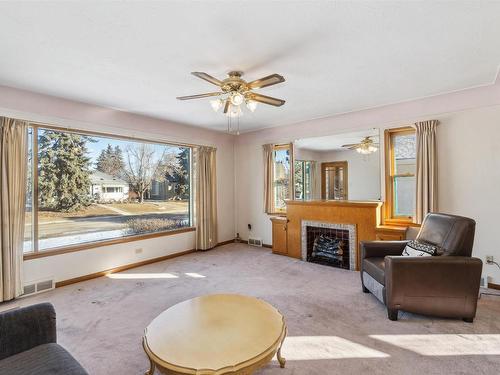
(494, 286)
(130, 266)
(121, 268)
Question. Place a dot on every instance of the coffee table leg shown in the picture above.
(152, 365)
(281, 360)
(151, 370)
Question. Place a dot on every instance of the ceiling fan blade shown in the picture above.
(226, 106)
(266, 81)
(199, 96)
(208, 78)
(350, 145)
(266, 99)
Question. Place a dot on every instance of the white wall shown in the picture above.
(67, 266)
(469, 175)
(75, 115)
(469, 159)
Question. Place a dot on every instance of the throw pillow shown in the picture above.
(419, 249)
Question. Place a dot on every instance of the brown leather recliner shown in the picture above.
(446, 285)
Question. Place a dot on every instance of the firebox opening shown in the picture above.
(328, 246)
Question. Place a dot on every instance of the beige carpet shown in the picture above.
(332, 324)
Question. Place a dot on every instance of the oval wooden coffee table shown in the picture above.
(215, 334)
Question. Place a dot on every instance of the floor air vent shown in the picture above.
(255, 242)
(38, 287)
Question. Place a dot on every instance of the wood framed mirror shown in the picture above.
(334, 183)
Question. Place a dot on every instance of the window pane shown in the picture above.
(405, 153)
(99, 188)
(299, 179)
(28, 219)
(281, 178)
(404, 174)
(404, 196)
(302, 173)
(307, 181)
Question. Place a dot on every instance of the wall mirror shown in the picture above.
(341, 166)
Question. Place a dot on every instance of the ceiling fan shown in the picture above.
(366, 146)
(235, 91)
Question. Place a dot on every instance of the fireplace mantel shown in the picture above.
(364, 215)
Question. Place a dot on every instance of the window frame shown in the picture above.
(37, 253)
(389, 217)
(289, 147)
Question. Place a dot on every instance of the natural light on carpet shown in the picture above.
(301, 348)
(142, 276)
(194, 275)
(446, 344)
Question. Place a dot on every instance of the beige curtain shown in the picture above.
(13, 156)
(315, 180)
(426, 173)
(205, 197)
(268, 178)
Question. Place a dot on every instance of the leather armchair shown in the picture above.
(446, 285)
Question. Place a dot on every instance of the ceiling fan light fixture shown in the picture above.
(366, 149)
(252, 105)
(234, 111)
(216, 104)
(237, 99)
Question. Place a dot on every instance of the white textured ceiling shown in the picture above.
(336, 56)
(335, 142)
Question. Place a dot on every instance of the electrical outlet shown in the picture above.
(489, 258)
(138, 251)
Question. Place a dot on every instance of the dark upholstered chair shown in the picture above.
(446, 285)
(28, 343)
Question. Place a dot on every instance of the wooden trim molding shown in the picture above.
(494, 286)
(93, 245)
(121, 268)
(129, 266)
(389, 218)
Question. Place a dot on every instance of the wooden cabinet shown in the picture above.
(390, 233)
(280, 242)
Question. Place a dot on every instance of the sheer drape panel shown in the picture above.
(315, 180)
(13, 169)
(205, 197)
(426, 173)
(268, 178)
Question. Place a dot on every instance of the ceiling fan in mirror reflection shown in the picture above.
(366, 146)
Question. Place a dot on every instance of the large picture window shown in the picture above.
(86, 188)
(400, 174)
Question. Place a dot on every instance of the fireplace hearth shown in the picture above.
(329, 244)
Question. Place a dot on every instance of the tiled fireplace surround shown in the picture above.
(344, 227)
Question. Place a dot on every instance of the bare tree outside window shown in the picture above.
(143, 165)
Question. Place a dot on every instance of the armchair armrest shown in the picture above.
(380, 249)
(24, 328)
(441, 286)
